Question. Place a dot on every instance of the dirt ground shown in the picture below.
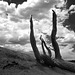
(20, 63)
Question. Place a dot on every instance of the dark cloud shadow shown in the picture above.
(70, 22)
(71, 19)
(15, 1)
(70, 2)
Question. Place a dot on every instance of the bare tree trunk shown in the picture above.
(45, 59)
(33, 42)
(53, 37)
(42, 59)
(58, 62)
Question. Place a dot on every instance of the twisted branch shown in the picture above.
(44, 44)
(33, 41)
(53, 37)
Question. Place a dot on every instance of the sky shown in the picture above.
(14, 25)
(70, 5)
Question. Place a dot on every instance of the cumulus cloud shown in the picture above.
(67, 53)
(38, 8)
(14, 24)
(69, 21)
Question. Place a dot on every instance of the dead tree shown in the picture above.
(45, 59)
(42, 59)
(59, 62)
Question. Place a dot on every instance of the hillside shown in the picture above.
(22, 63)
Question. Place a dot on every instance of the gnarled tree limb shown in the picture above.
(43, 42)
(45, 59)
(42, 59)
(58, 59)
(53, 37)
(33, 41)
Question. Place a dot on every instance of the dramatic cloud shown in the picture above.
(70, 2)
(70, 5)
(14, 24)
(14, 21)
(39, 9)
(70, 22)
(15, 1)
